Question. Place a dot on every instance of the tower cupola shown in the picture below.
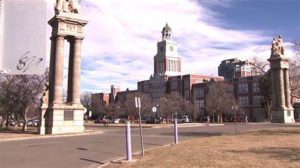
(167, 32)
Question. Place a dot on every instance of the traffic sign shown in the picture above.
(154, 109)
(137, 102)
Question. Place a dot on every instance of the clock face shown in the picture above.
(171, 48)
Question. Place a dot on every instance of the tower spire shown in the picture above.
(166, 32)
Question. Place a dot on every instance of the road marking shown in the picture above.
(39, 144)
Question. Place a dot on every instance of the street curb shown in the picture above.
(50, 136)
(162, 126)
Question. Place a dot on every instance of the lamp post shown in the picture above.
(156, 112)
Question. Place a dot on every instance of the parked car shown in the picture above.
(183, 119)
(153, 121)
(33, 122)
(117, 120)
(12, 122)
(21, 123)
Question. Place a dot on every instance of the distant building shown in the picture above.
(246, 91)
(248, 94)
(234, 68)
(183, 84)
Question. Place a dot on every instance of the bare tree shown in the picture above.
(219, 99)
(169, 105)
(294, 72)
(85, 99)
(266, 92)
(261, 66)
(19, 92)
(115, 110)
(129, 104)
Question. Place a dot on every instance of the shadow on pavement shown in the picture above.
(287, 153)
(93, 161)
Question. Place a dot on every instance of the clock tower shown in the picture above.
(167, 61)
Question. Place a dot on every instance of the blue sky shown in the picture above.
(270, 16)
(121, 35)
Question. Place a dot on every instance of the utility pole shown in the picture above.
(138, 106)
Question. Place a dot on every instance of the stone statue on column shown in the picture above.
(282, 110)
(277, 46)
(67, 6)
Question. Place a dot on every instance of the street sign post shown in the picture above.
(138, 106)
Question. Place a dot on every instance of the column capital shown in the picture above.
(79, 38)
(53, 37)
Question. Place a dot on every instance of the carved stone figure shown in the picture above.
(277, 46)
(45, 95)
(67, 6)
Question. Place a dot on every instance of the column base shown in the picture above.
(283, 115)
(65, 118)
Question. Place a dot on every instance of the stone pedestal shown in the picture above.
(285, 115)
(297, 110)
(65, 118)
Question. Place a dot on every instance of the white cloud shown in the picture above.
(120, 40)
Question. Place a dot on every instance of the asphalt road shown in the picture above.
(90, 151)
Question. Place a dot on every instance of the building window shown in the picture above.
(243, 87)
(186, 84)
(201, 103)
(174, 85)
(255, 87)
(257, 100)
(201, 92)
(243, 101)
(196, 93)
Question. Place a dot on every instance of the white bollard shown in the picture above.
(175, 131)
(128, 141)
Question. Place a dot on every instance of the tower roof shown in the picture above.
(167, 28)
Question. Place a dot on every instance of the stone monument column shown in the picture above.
(282, 111)
(58, 71)
(74, 71)
(56, 115)
(287, 91)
